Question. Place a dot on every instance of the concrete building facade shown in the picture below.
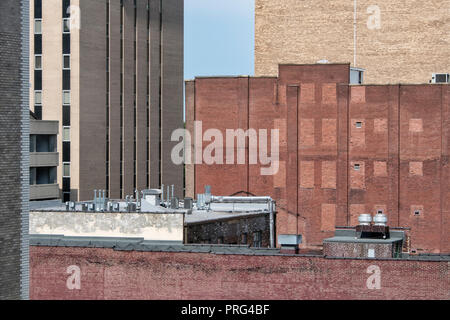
(14, 149)
(344, 150)
(394, 41)
(111, 73)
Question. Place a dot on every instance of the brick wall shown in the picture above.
(109, 274)
(344, 150)
(231, 231)
(410, 44)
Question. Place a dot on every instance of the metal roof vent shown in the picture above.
(380, 219)
(440, 78)
(365, 219)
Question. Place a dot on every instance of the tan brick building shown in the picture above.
(111, 73)
(402, 41)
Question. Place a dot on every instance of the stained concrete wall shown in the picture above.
(150, 226)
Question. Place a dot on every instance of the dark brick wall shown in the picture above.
(402, 149)
(12, 131)
(359, 250)
(109, 274)
(231, 231)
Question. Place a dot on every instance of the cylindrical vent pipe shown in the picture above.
(380, 219)
(365, 219)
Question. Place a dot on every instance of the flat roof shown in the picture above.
(138, 244)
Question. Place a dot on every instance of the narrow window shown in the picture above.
(38, 97)
(66, 61)
(359, 125)
(66, 25)
(66, 97)
(38, 62)
(66, 115)
(66, 170)
(38, 26)
(66, 134)
(357, 167)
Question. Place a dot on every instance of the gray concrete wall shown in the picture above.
(172, 89)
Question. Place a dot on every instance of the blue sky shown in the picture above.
(218, 38)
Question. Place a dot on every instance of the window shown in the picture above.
(66, 61)
(66, 134)
(38, 43)
(66, 184)
(244, 238)
(66, 151)
(38, 97)
(37, 79)
(66, 116)
(379, 211)
(38, 62)
(66, 79)
(257, 239)
(37, 26)
(65, 8)
(417, 212)
(66, 43)
(38, 112)
(66, 25)
(66, 196)
(66, 170)
(66, 97)
(359, 124)
(357, 167)
(38, 9)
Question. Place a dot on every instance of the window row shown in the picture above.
(38, 97)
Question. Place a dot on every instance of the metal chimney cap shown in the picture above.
(365, 219)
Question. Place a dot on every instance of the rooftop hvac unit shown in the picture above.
(440, 78)
(356, 76)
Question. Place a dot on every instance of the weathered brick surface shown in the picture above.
(109, 274)
(401, 146)
(14, 150)
(411, 43)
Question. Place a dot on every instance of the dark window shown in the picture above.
(66, 43)
(66, 116)
(65, 8)
(38, 44)
(38, 9)
(257, 239)
(66, 151)
(244, 238)
(38, 80)
(38, 112)
(66, 197)
(66, 79)
(66, 184)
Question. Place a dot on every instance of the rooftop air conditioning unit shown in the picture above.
(440, 78)
(356, 75)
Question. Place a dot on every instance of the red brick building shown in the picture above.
(344, 150)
